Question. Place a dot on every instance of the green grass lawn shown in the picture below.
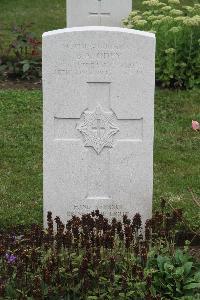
(44, 14)
(176, 154)
(21, 157)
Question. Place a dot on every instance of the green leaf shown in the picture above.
(103, 279)
(121, 294)
(117, 277)
(197, 276)
(131, 293)
(26, 67)
(91, 272)
(75, 270)
(168, 267)
(161, 260)
(26, 61)
(179, 271)
(169, 287)
(191, 286)
(3, 67)
(188, 267)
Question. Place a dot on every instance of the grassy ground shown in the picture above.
(44, 14)
(176, 159)
(21, 157)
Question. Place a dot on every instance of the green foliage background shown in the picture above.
(177, 29)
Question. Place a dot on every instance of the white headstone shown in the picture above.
(98, 86)
(97, 12)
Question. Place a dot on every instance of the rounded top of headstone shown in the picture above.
(99, 29)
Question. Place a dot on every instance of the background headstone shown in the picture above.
(97, 12)
(98, 85)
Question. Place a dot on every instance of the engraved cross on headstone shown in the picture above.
(99, 13)
(100, 130)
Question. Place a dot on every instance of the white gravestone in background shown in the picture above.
(98, 86)
(97, 12)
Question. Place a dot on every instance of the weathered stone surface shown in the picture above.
(97, 12)
(98, 86)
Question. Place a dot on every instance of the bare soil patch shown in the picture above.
(195, 252)
(20, 85)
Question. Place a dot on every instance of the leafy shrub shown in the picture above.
(22, 58)
(90, 258)
(177, 30)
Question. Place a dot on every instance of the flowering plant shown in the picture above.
(177, 31)
(91, 258)
(10, 258)
(195, 125)
(22, 58)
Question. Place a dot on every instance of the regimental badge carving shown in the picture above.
(98, 129)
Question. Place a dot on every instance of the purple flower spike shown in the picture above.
(10, 258)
